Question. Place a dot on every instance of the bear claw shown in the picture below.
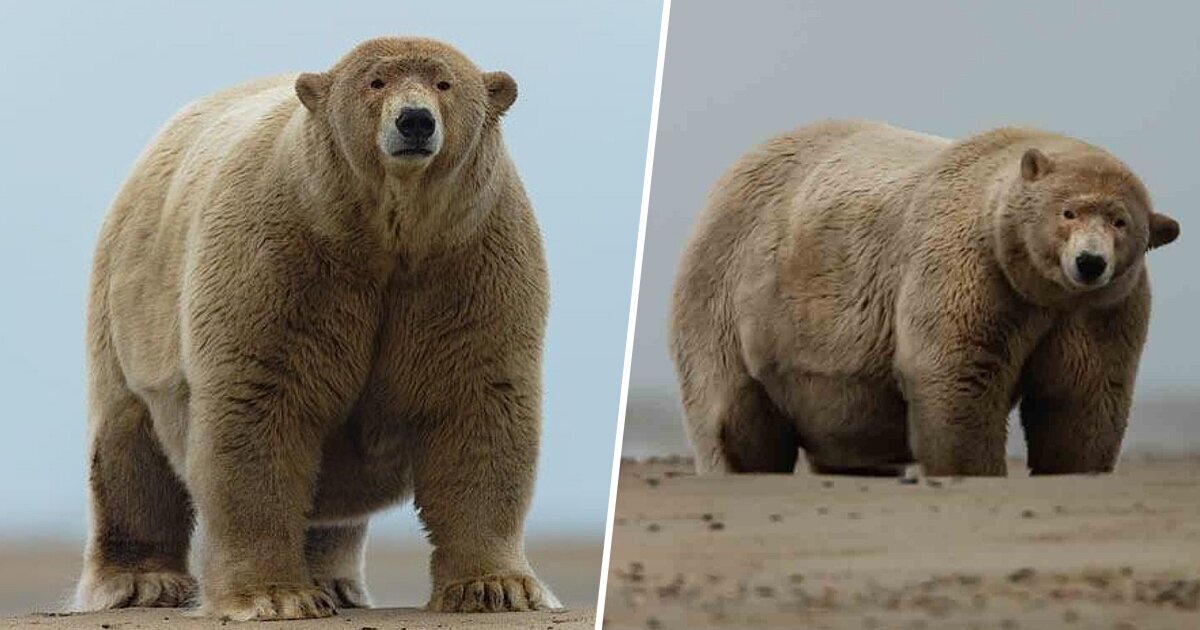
(493, 593)
(345, 592)
(124, 589)
(274, 602)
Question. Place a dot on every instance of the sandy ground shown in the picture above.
(35, 578)
(374, 619)
(1116, 551)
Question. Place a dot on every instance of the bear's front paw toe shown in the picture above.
(273, 602)
(493, 593)
(345, 592)
(123, 589)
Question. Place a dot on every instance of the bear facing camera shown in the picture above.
(314, 297)
(878, 297)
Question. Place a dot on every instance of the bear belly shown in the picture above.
(365, 468)
(846, 424)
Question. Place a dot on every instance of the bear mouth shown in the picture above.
(410, 152)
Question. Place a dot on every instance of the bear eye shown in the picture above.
(443, 85)
(1119, 223)
(1068, 214)
(377, 84)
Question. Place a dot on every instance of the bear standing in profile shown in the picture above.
(876, 297)
(313, 298)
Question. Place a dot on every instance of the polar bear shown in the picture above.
(315, 297)
(876, 296)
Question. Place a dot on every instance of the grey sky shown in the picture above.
(84, 85)
(1124, 76)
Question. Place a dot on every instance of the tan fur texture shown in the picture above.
(290, 328)
(877, 296)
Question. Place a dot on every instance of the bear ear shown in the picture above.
(502, 91)
(1163, 230)
(1035, 165)
(312, 88)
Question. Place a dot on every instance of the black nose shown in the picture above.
(416, 124)
(1090, 266)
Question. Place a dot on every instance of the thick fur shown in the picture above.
(290, 329)
(876, 296)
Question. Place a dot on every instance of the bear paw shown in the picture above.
(273, 601)
(345, 592)
(493, 593)
(123, 589)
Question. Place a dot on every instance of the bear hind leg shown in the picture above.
(742, 432)
(755, 436)
(141, 519)
(335, 561)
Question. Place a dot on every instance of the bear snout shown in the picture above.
(411, 130)
(416, 125)
(1087, 259)
(1090, 267)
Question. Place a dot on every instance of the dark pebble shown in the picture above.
(1023, 574)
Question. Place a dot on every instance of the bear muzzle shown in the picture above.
(1086, 268)
(412, 132)
(416, 126)
(1090, 267)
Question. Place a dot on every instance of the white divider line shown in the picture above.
(633, 304)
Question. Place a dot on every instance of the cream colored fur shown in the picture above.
(877, 296)
(290, 329)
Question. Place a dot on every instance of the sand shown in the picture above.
(35, 578)
(376, 619)
(1116, 551)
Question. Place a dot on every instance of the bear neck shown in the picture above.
(438, 210)
(409, 219)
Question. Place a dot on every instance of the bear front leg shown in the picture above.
(1078, 386)
(252, 466)
(960, 343)
(276, 362)
(957, 425)
(473, 479)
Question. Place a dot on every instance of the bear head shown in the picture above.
(401, 106)
(1075, 226)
